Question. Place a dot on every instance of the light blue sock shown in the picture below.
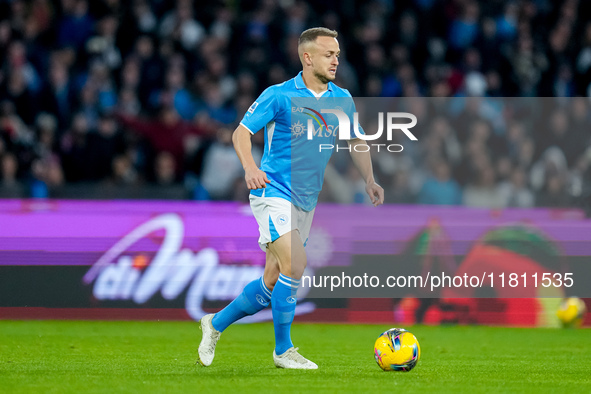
(283, 303)
(255, 297)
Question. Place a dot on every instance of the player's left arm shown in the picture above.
(362, 160)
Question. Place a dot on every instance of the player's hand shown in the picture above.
(256, 179)
(375, 193)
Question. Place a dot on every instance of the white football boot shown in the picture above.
(208, 341)
(291, 359)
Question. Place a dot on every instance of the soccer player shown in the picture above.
(284, 192)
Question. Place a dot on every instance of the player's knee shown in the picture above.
(297, 271)
(270, 279)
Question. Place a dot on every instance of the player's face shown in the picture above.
(325, 58)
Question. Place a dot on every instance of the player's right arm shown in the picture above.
(254, 177)
(260, 113)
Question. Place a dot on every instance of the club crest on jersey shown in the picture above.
(297, 129)
(282, 219)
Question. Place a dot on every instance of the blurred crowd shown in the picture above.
(139, 98)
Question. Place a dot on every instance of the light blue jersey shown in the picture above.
(294, 163)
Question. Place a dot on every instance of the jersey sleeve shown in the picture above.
(262, 111)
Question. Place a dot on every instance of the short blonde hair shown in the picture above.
(312, 34)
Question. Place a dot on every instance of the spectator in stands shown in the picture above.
(58, 96)
(124, 173)
(221, 167)
(556, 134)
(17, 61)
(12, 129)
(175, 93)
(515, 192)
(552, 161)
(151, 66)
(504, 169)
(181, 26)
(167, 133)
(46, 147)
(400, 191)
(89, 105)
(440, 188)
(215, 107)
(74, 150)
(10, 186)
(76, 24)
(348, 188)
(483, 192)
(165, 173)
(554, 194)
(106, 143)
(16, 91)
(47, 175)
(463, 31)
(103, 47)
(128, 103)
(444, 140)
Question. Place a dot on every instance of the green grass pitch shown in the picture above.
(148, 357)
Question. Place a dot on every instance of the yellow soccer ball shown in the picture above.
(397, 350)
(571, 312)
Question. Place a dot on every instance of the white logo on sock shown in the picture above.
(261, 300)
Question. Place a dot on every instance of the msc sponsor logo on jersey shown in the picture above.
(320, 126)
(298, 129)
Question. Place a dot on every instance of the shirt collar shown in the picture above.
(299, 82)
